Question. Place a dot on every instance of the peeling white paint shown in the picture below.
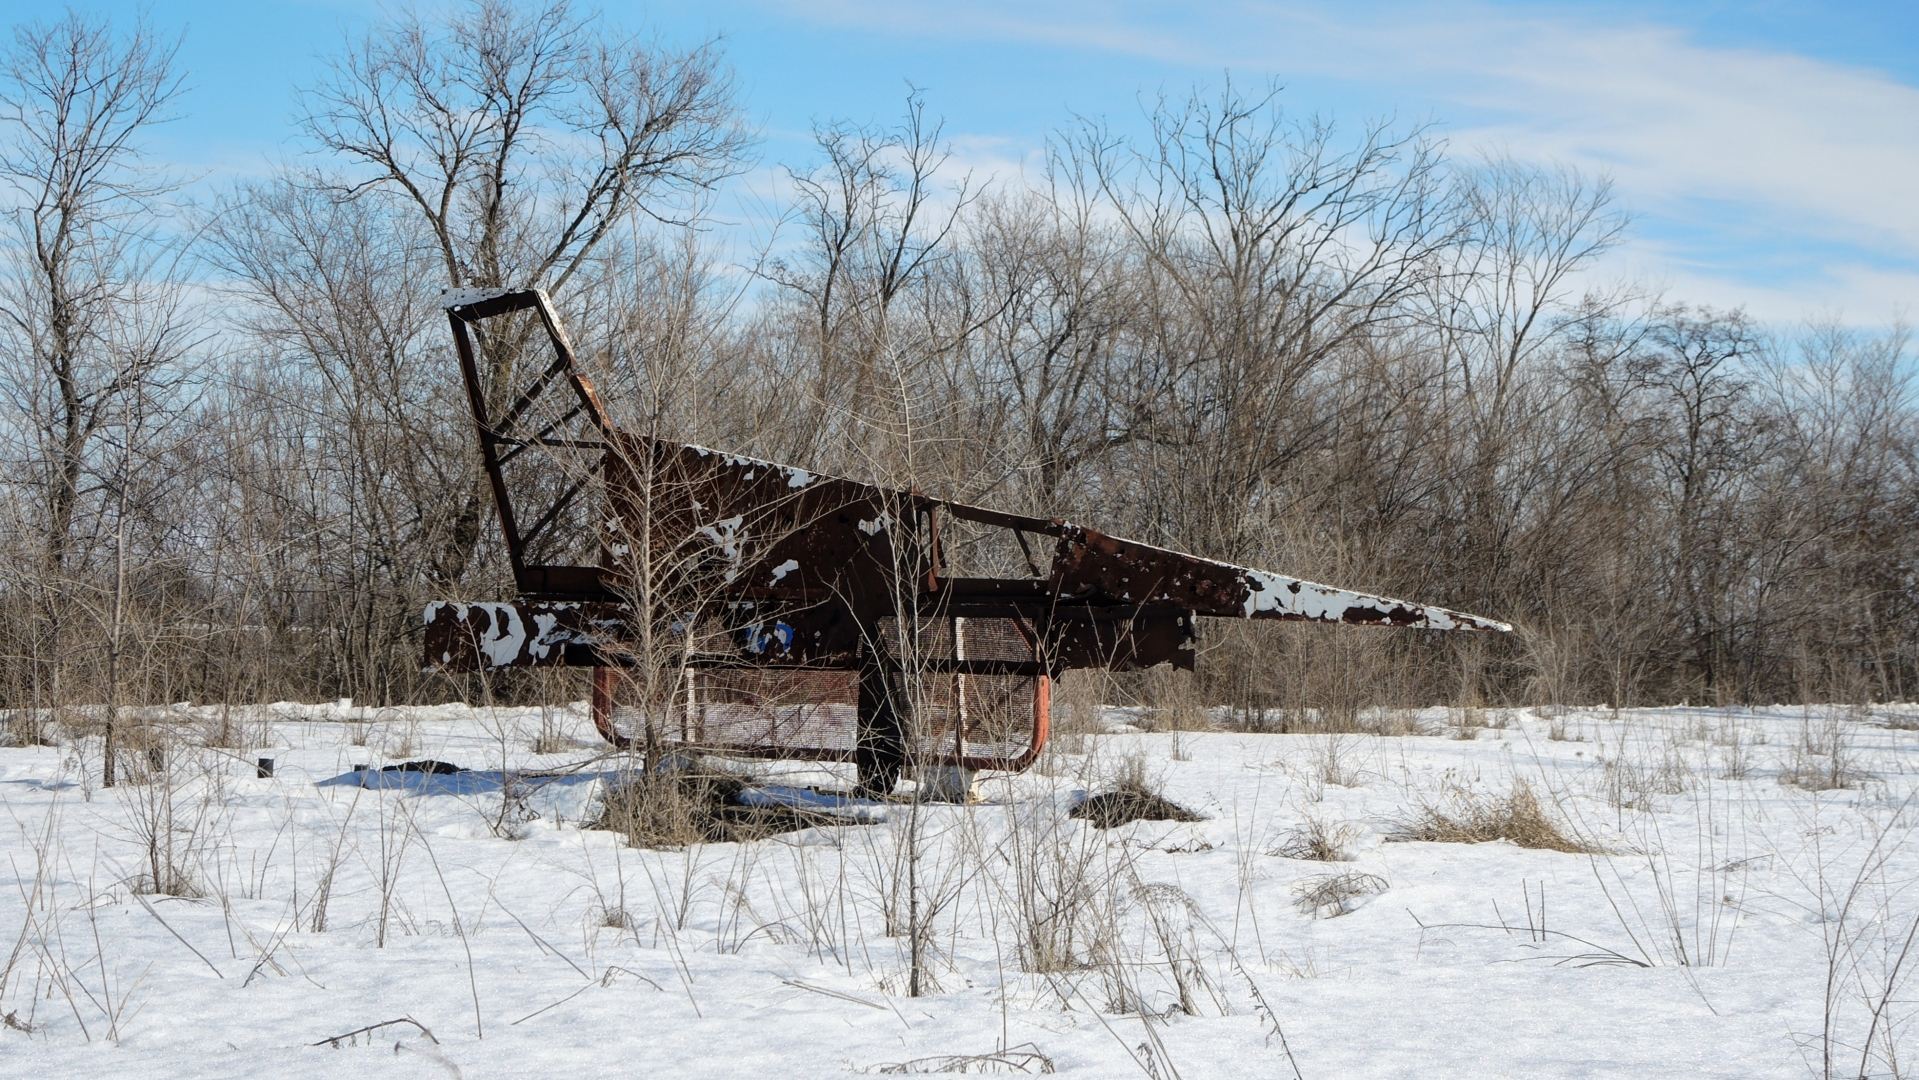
(784, 569)
(1275, 593)
(505, 634)
(725, 535)
(543, 642)
(504, 639)
(876, 526)
(1282, 595)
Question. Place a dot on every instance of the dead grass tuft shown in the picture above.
(1024, 1060)
(1332, 895)
(1823, 758)
(678, 807)
(1318, 841)
(1132, 796)
(1465, 816)
(223, 732)
(1127, 802)
(175, 880)
(1173, 702)
(1633, 782)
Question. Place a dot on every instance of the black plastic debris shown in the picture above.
(436, 768)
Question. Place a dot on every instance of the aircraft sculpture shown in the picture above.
(739, 605)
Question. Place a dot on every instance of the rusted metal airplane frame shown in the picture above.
(817, 574)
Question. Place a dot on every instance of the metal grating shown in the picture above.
(988, 720)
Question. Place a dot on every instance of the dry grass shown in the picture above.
(1331, 895)
(1316, 840)
(1173, 702)
(1125, 803)
(1463, 815)
(1823, 758)
(224, 731)
(27, 727)
(1132, 796)
(679, 807)
(406, 744)
(1024, 1060)
(1633, 782)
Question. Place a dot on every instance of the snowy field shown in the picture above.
(1736, 920)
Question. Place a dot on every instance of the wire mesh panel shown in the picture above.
(982, 719)
(771, 708)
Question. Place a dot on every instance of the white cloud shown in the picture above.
(1806, 157)
(1816, 147)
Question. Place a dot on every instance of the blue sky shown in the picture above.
(1768, 150)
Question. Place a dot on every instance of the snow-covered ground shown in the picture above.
(1737, 925)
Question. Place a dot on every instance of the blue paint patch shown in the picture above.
(758, 639)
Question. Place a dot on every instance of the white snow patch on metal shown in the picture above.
(452, 298)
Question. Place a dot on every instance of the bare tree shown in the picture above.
(1269, 247)
(91, 326)
(875, 224)
(521, 137)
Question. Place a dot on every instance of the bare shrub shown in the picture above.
(1060, 885)
(1464, 815)
(552, 737)
(1024, 1060)
(1734, 748)
(1172, 700)
(221, 731)
(1342, 683)
(172, 827)
(1824, 757)
(1167, 945)
(26, 727)
(1317, 840)
(1632, 782)
(328, 872)
(1331, 895)
(1078, 696)
(407, 744)
(515, 814)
